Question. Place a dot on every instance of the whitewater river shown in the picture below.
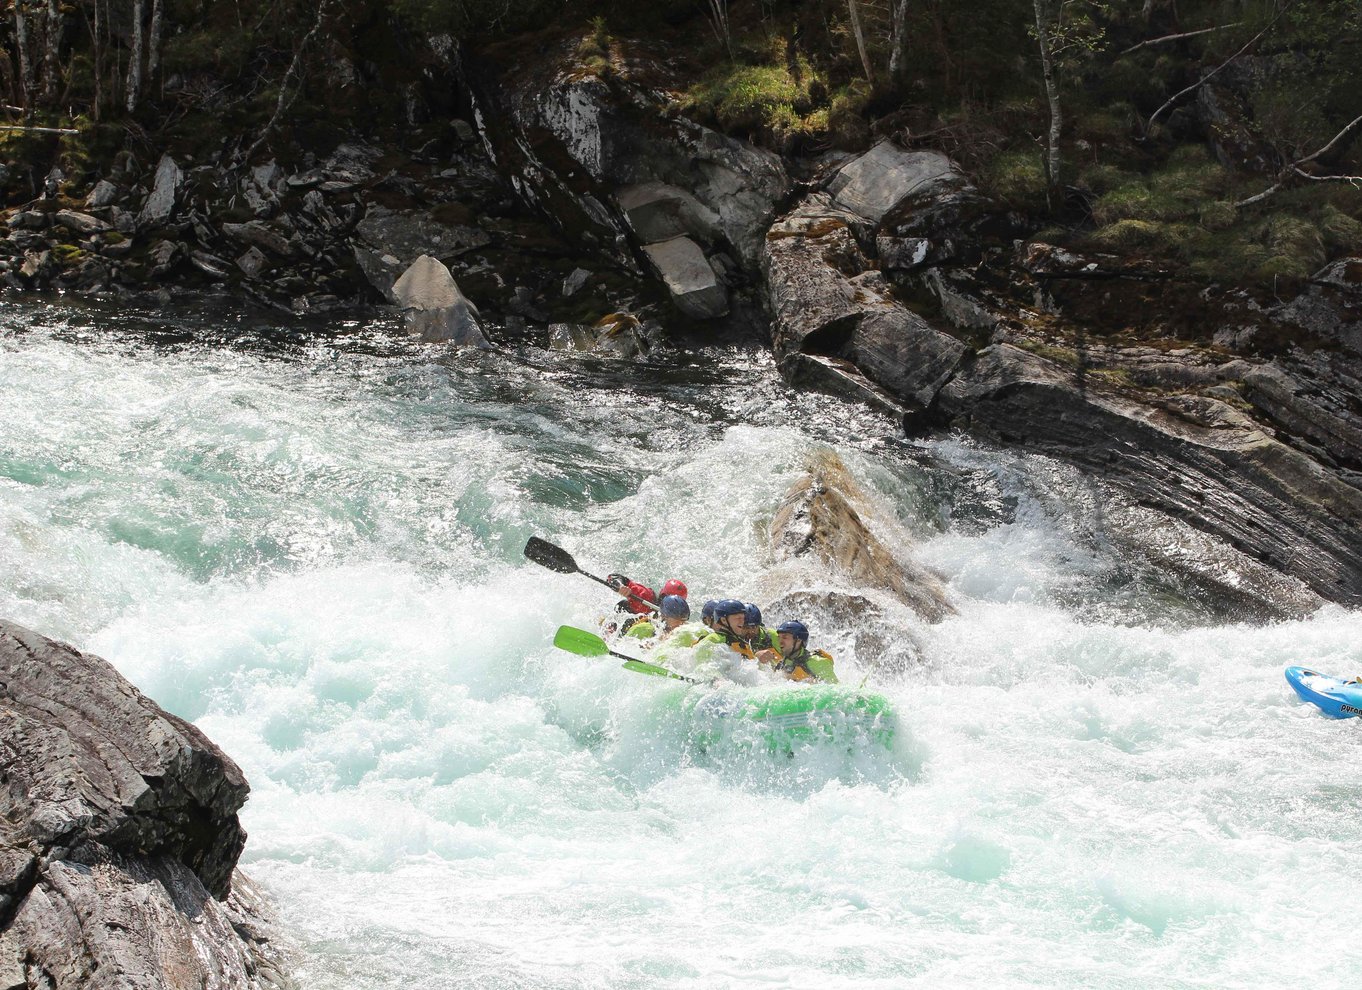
(308, 540)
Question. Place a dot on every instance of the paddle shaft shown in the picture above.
(555, 558)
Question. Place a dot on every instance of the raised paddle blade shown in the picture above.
(652, 668)
(580, 642)
(547, 555)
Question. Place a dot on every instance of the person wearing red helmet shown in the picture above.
(634, 597)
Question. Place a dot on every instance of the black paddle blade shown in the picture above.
(547, 555)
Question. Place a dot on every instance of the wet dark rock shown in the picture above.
(1193, 457)
(210, 264)
(163, 257)
(252, 262)
(259, 235)
(117, 861)
(826, 300)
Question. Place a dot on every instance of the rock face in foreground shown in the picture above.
(120, 836)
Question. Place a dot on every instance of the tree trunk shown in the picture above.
(154, 42)
(21, 42)
(135, 57)
(97, 56)
(56, 21)
(1047, 64)
(856, 28)
(898, 58)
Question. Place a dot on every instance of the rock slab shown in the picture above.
(119, 836)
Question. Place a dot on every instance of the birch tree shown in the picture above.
(854, 11)
(134, 90)
(898, 54)
(1066, 32)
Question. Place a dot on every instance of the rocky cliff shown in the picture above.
(575, 203)
(120, 837)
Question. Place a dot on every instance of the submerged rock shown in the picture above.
(117, 861)
(817, 517)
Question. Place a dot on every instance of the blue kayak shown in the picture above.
(1334, 697)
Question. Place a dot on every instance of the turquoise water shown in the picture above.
(308, 540)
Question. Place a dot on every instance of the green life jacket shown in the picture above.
(641, 629)
(816, 665)
(687, 634)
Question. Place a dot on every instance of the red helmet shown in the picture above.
(674, 587)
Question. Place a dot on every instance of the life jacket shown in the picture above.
(732, 642)
(799, 669)
(639, 627)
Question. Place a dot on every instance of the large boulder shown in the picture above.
(120, 836)
(160, 204)
(657, 211)
(690, 279)
(827, 300)
(817, 518)
(876, 182)
(576, 142)
(387, 242)
(433, 307)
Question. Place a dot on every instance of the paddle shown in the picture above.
(557, 559)
(587, 644)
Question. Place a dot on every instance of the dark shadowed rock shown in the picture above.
(826, 300)
(120, 836)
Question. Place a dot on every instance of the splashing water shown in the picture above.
(310, 544)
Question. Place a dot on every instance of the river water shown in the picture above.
(307, 539)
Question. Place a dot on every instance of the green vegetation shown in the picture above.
(1139, 168)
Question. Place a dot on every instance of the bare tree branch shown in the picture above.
(39, 130)
(1294, 169)
(1202, 81)
(1178, 37)
(294, 70)
(1337, 138)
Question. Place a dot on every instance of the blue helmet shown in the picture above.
(675, 607)
(728, 606)
(795, 628)
(708, 611)
(753, 614)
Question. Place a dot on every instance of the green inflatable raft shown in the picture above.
(778, 718)
(785, 718)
